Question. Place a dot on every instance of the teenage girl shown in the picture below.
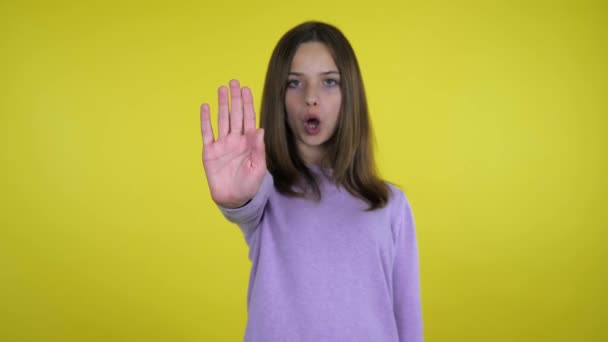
(333, 246)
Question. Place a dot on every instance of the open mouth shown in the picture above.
(312, 125)
(312, 122)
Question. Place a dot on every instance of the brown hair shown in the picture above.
(349, 150)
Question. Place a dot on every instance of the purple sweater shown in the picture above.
(329, 270)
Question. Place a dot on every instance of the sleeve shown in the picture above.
(406, 277)
(249, 216)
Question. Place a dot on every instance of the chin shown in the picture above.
(315, 141)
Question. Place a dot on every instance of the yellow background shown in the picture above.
(492, 116)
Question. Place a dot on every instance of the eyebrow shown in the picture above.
(295, 73)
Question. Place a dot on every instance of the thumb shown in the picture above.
(259, 139)
(259, 151)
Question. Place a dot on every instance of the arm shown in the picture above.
(406, 277)
(249, 215)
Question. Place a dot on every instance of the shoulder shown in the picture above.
(399, 206)
(397, 197)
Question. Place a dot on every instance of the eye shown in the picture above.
(293, 83)
(331, 82)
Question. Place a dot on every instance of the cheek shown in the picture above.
(291, 104)
(333, 104)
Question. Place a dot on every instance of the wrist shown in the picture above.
(233, 205)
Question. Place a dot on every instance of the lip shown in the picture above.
(311, 117)
(310, 130)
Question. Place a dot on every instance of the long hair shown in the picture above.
(349, 152)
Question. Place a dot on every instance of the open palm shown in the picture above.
(235, 163)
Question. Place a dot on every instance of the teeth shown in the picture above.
(312, 123)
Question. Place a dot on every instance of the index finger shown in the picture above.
(249, 111)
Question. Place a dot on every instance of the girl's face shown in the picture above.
(312, 99)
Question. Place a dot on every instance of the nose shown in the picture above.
(311, 98)
(311, 101)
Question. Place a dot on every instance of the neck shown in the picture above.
(312, 155)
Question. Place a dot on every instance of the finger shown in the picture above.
(248, 110)
(260, 152)
(223, 119)
(206, 129)
(236, 108)
(260, 139)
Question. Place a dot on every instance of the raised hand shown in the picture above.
(235, 163)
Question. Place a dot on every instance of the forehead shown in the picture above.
(313, 56)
